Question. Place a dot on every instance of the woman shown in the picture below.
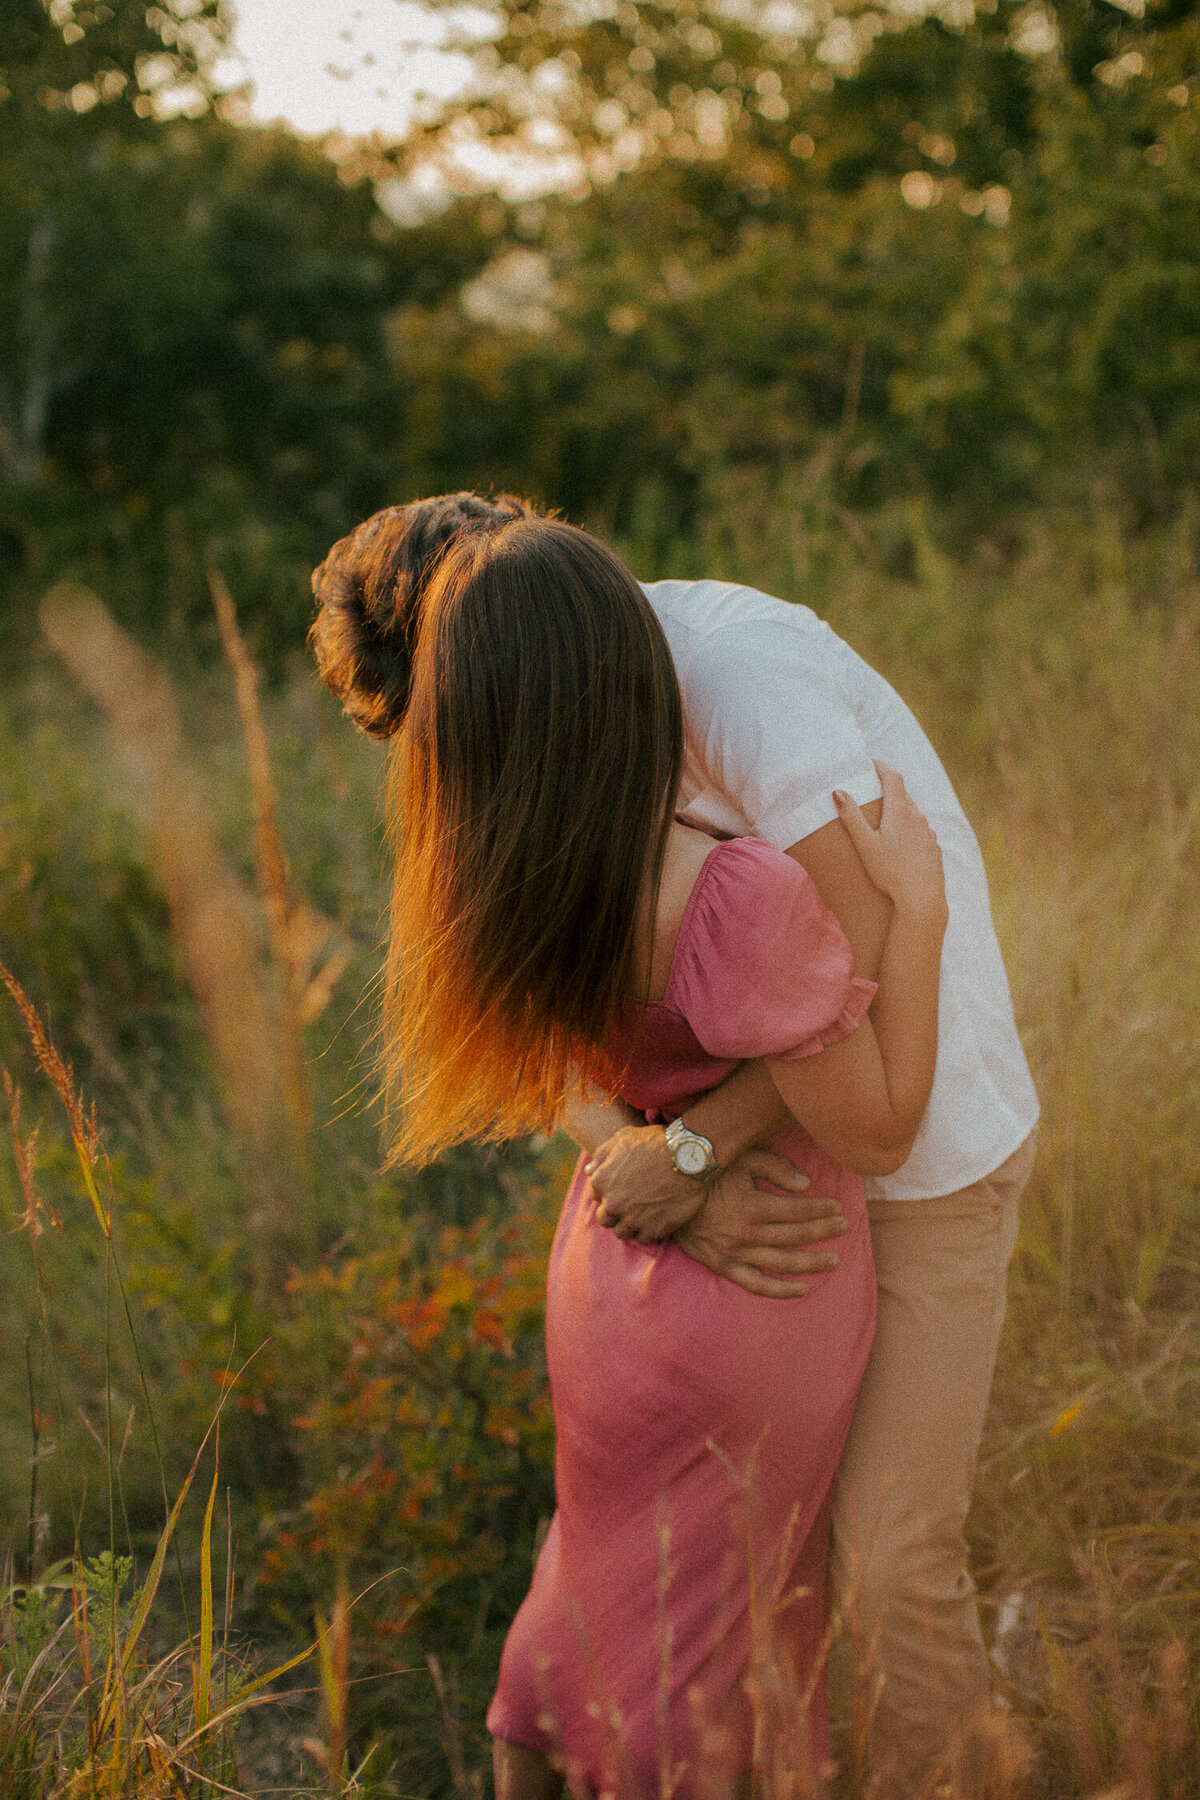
(549, 915)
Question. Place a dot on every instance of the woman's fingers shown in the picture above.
(851, 815)
(892, 783)
(901, 857)
(895, 801)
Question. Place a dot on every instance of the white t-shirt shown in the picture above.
(778, 711)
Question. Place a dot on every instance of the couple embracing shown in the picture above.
(676, 869)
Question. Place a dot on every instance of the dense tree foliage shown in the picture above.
(943, 256)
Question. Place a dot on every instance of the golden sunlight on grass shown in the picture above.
(400, 1389)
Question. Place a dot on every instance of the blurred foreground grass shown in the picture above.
(391, 1427)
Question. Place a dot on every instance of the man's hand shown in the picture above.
(642, 1197)
(758, 1239)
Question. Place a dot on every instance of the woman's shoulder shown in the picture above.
(684, 861)
(761, 965)
(747, 893)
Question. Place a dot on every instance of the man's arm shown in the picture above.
(642, 1196)
(631, 1165)
(757, 1238)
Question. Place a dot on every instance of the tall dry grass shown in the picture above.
(216, 921)
(309, 953)
(1061, 692)
(85, 1710)
(253, 1008)
(1061, 695)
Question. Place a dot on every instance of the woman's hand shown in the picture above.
(863, 1098)
(901, 857)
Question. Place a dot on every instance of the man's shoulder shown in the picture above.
(706, 605)
(723, 626)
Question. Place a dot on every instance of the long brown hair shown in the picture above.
(531, 792)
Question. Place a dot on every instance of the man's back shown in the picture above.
(779, 711)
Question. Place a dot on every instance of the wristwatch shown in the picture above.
(691, 1154)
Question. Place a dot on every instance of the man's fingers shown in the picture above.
(764, 1165)
(786, 1263)
(630, 1231)
(768, 1286)
(788, 1234)
(793, 1209)
(651, 1224)
(596, 1174)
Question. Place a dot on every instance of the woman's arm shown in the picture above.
(591, 1117)
(632, 1171)
(862, 1100)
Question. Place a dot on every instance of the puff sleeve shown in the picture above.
(763, 967)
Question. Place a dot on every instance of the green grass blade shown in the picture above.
(244, 1698)
(204, 1678)
(103, 1215)
(141, 1612)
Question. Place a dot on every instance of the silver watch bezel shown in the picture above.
(677, 1135)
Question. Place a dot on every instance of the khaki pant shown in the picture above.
(900, 1503)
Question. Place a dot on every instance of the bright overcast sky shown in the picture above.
(356, 66)
(348, 65)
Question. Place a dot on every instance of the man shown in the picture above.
(778, 712)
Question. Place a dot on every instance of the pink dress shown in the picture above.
(698, 1426)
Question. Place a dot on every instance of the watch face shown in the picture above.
(691, 1157)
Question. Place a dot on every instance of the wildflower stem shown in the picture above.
(33, 1466)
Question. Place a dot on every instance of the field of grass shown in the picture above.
(389, 1431)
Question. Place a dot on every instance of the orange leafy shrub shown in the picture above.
(416, 1372)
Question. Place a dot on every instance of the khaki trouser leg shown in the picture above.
(904, 1486)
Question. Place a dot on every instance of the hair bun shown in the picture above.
(369, 592)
